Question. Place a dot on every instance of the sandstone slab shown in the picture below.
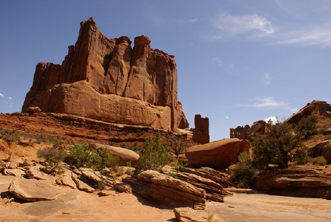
(33, 190)
(167, 190)
(321, 149)
(218, 154)
(186, 214)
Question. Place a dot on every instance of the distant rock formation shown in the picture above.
(248, 132)
(239, 132)
(201, 130)
(107, 79)
(316, 107)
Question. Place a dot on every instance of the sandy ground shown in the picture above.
(73, 205)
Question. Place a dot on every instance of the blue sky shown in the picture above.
(238, 61)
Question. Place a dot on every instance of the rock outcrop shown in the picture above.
(218, 154)
(107, 79)
(296, 182)
(240, 132)
(167, 190)
(316, 107)
(201, 130)
(257, 127)
(321, 149)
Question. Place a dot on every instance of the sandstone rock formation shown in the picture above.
(218, 154)
(201, 130)
(296, 182)
(107, 79)
(257, 127)
(214, 190)
(167, 190)
(240, 132)
(321, 149)
(316, 107)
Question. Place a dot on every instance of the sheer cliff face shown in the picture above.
(107, 79)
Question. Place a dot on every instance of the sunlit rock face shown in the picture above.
(109, 80)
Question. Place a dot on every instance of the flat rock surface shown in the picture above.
(33, 190)
(243, 206)
(247, 206)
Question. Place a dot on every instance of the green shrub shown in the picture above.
(154, 155)
(52, 156)
(83, 156)
(307, 126)
(140, 133)
(320, 160)
(180, 166)
(279, 146)
(328, 137)
(106, 159)
(243, 174)
(9, 135)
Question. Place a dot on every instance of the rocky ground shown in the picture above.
(244, 205)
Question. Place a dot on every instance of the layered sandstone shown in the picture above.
(201, 130)
(107, 79)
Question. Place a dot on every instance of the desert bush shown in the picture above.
(320, 160)
(153, 156)
(243, 174)
(83, 156)
(9, 135)
(328, 137)
(307, 126)
(53, 156)
(180, 166)
(176, 144)
(140, 133)
(106, 159)
(279, 146)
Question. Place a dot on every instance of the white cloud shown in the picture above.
(245, 23)
(313, 35)
(267, 78)
(1, 95)
(268, 102)
(10, 98)
(273, 119)
(227, 117)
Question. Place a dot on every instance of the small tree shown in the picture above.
(53, 156)
(176, 144)
(307, 126)
(154, 155)
(279, 146)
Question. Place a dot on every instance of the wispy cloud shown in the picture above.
(254, 23)
(10, 98)
(222, 63)
(227, 117)
(314, 35)
(1, 95)
(268, 102)
(267, 78)
(193, 20)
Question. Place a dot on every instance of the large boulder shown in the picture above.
(167, 190)
(321, 149)
(218, 154)
(186, 214)
(107, 79)
(126, 155)
(296, 182)
(33, 190)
